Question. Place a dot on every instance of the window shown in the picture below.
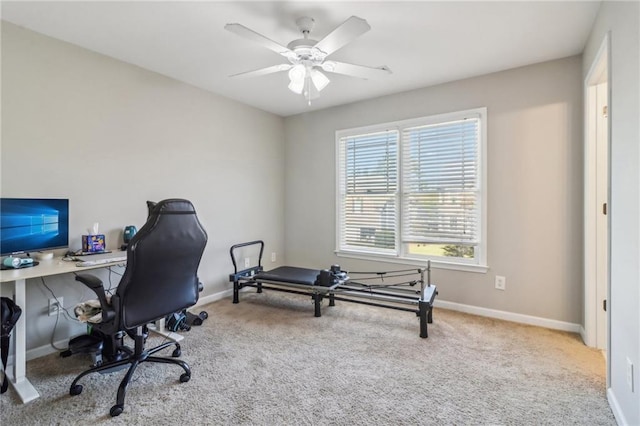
(414, 190)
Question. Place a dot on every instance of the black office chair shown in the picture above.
(160, 279)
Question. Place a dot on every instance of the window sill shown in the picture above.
(438, 264)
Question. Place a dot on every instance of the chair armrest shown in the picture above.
(95, 284)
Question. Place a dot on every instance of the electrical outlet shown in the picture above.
(630, 374)
(501, 282)
(53, 306)
(273, 256)
(247, 262)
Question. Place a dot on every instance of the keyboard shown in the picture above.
(91, 253)
(102, 261)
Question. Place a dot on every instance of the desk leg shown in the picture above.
(18, 374)
(159, 328)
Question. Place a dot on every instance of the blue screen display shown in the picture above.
(29, 224)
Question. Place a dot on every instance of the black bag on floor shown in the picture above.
(10, 315)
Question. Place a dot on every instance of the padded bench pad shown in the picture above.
(289, 274)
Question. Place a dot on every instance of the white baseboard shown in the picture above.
(213, 297)
(615, 407)
(42, 350)
(509, 316)
(583, 335)
(48, 349)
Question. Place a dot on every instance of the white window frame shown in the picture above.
(479, 263)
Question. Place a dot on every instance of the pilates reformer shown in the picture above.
(404, 290)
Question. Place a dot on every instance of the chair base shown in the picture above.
(136, 357)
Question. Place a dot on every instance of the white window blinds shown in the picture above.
(414, 189)
(368, 185)
(440, 183)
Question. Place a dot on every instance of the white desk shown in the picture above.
(56, 266)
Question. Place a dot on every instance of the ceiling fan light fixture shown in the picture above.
(297, 75)
(319, 80)
(296, 86)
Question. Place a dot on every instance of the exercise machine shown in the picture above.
(404, 290)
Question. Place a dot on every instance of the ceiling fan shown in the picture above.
(306, 57)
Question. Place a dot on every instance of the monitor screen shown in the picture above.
(30, 224)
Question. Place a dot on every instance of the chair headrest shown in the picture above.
(170, 206)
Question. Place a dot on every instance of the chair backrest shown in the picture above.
(162, 264)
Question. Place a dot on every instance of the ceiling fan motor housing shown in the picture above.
(303, 47)
(305, 51)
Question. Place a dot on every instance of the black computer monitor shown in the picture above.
(33, 224)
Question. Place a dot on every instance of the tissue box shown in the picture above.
(93, 243)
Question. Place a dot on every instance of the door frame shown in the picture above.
(600, 64)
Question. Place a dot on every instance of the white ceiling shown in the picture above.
(424, 43)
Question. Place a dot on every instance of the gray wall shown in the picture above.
(622, 20)
(109, 136)
(534, 185)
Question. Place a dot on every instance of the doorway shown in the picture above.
(597, 184)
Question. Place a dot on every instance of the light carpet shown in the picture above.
(269, 361)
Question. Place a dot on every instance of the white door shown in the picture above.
(596, 195)
(602, 190)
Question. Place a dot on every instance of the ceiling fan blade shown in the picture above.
(355, 70)
(343, 34)
(247, 33)
(264, 71)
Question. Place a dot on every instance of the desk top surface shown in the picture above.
(49, 267)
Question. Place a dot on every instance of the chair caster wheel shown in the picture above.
(185, 377)
(75, 390)
(176, 353)
(116, 410)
